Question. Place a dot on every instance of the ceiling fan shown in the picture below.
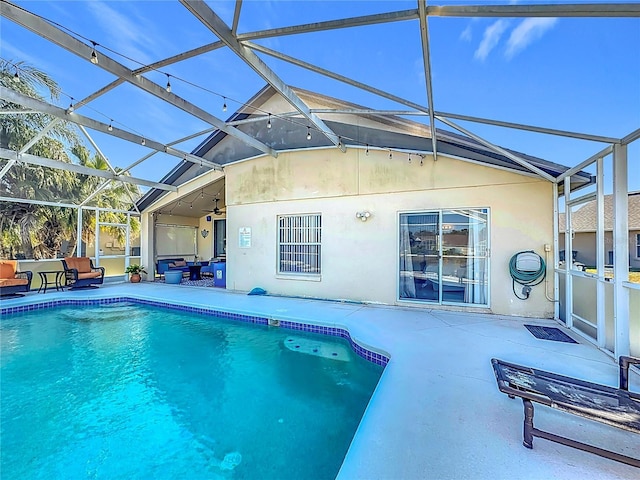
(217, 210)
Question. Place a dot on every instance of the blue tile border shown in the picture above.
(374, 357)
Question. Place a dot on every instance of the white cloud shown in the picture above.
(490, 39)
(466, 34)
(126, 32)
(528, 31)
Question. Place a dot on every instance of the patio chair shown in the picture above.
(617, 407)
(12, 282)
(80, 273)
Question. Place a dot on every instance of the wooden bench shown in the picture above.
(617, 407)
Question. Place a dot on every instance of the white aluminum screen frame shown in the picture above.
(300, 244)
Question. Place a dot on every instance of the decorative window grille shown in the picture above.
(299, 244)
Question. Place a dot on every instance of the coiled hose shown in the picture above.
(526, 278)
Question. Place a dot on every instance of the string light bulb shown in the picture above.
(269, 122)
(390, 155)
(143, 142)
(94, 55)
(308, 133)
(367, 150)
(409, 158)
(224, 105)
(421, 159)
(16, 76)
(70, 109)
(168, 88)
(110, 127)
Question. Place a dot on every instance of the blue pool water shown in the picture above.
(134, 391)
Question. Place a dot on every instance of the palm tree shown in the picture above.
(38, 231)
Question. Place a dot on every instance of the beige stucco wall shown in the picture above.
(360, 259)
(585, 244)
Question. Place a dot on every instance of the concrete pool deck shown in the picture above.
(437, 412)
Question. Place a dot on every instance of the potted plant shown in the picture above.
(134, 270)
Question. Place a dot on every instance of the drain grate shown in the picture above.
(550, 333)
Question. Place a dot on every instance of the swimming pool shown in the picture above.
(123, 390)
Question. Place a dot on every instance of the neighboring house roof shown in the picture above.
(585, 218)
(391, 132)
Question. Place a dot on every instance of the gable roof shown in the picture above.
(585, 218)
(355, 125)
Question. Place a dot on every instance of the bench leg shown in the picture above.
(528, 423)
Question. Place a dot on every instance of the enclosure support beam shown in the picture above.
(335, 76)
(556, 255)
(621, 250)
(424, 35)
(500, 150)
(213, 22)
(16, 97)
(79, 234)
(568, 256)
(72, 167)
(600, 286)
(550, 10)
(236, 17)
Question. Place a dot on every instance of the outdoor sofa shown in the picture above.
(617, 407)
(177, 264)
(171, 264)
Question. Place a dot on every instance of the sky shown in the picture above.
(575, 74)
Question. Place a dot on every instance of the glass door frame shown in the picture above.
(440, 212)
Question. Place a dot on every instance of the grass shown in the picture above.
(634, 277)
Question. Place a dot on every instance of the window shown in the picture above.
(299, 244)
(444, 256)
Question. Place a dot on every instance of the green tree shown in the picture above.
(38, 231)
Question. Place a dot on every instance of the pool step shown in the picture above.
(319, 348)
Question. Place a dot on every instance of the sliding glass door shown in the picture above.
(444, 256)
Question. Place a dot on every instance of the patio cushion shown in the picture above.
(10, 282)
(82, 264)
(89, 275)
(8, 268)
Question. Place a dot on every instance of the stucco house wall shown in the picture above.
(360, 259)
(584, 230)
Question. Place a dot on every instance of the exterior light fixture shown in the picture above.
(204, 232)
(364, 215)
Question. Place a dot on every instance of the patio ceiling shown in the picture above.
(260, 62)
